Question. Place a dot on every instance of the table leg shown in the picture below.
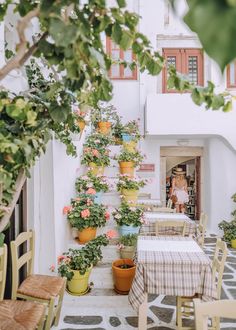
(142, 315)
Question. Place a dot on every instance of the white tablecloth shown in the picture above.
(168, 246)
(165, 216)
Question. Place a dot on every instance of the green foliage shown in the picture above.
(126, 156)
(132, 128)
(128, 240)
(84, 213)
(229, 228)
(128, 215)
(81, 259)
(2, 237)
(97, 182)
(126, 182)
(97, 140)
(100, 157)
(104, 113)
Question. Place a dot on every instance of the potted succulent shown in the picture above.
(123, 271)
(129, 187)
(96, 159)
(98, 183)
(103, 117)
(128, 161)
(76, 264)
(127, 246)
(86, 216)
(128, 218)
(229, 228)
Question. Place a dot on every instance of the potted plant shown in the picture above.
(229, 228)
(103, 117)
(86, 216)
(117, 131)
(76, 264)
(99, 184)
(131, 135)
(96, 159)
(128, 218)
(123, 271)
(80, 118)
(128, 161)
(129, 187)
(97, 140)
(127, 246)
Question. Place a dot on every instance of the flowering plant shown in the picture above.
(81, 259)
(104, 112)
(128, 215)
(97, 140)
(126, 182)
(127, 240)
(128, 156)
(94, 155)
(91, 181)
(132, 128)
(118, 129)
(84, 213)
(79, 114)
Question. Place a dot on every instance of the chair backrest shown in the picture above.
(218, 264)
(164, 210)
(201, 229)
(219, 308)
(3, 269)
(27, 257)
(170, 228)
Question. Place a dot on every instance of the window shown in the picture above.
(119, 71)
(186, 61)
(231, 75)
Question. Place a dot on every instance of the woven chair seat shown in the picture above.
(41, 286)
(20, 315)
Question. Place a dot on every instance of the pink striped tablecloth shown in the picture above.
(173, 266)
(151, 218)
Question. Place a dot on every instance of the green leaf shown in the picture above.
(121, 3)
(15, 112)
(217, 102)
(197, 96)
(63, 34)
(228, 106)
(2, 237)
(126, 40)
(116, 33)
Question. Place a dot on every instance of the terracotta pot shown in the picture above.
(81, 125)
(127, 252)
(130, 196)
(123, 278)
(127, 168)
(233, 243)
(86, 235)
(104, 127)
(130, 146)
(95, 169)
(79, 283)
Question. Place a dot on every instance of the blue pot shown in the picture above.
(127, 137)
(98, 198)
(125, 230)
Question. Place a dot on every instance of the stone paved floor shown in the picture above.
(104, 310)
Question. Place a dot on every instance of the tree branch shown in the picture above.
(21, 55)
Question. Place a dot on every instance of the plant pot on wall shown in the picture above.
(127, 137)
(123, 271)
(130, 146)
(127, 168)
(233, 243)
(81, 125)
(104, 127)
(95, 169)
(127, 252)
(130, 196)
(125, 230)
(87, 235)
(79, 284)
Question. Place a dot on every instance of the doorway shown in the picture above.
(190, 160)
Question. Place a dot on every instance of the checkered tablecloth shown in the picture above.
(152, 217)
(162, 270)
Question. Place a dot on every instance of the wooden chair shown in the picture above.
(201, 229)
(175, 228)
(163, 210)
(185, 304)
(41, 288)
(213, 309)
(15, 314)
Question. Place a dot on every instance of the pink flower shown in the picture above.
(95, 152)
(111, 234)
(60, 258)
(91, 191)
(52, 268)
(107, 216)
(67, 209)
(85, 213)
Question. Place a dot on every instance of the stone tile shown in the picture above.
(226, 320)
(233, 293)
(210, 239)
(133, 321)
(152, 297)
(231, 328)
(230, 283)
(223, 295)
(228, 270)
(84, 329)
(163, 314)
(83, 320)
(169, 300)
(188, 322)
(160, 328)
(231, 259)
(114, 321)
(227, 277)
(232, 265)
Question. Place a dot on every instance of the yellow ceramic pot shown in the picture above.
(127, 168)
(130, 146)
(81, 125)
(95, 170)
(79, 283)
(87, 235)
(130, 196)
(233, 243)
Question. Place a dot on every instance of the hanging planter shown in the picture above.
(123, 271)
(127, 137)
(130, 195)
(129, 187)
(127, 252)
(127, 168)
(86, 234)
(128, 161)
(104, 127)
(79, 284)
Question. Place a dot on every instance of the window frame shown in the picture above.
(121, 66)
(229, 86)
(182, 55)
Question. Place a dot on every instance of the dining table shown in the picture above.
(148, 226)
(170, 265)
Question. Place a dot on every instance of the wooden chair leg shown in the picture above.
(142, 315)
(59, 306)
(50, 315)
(41, 324)
(179, 313)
